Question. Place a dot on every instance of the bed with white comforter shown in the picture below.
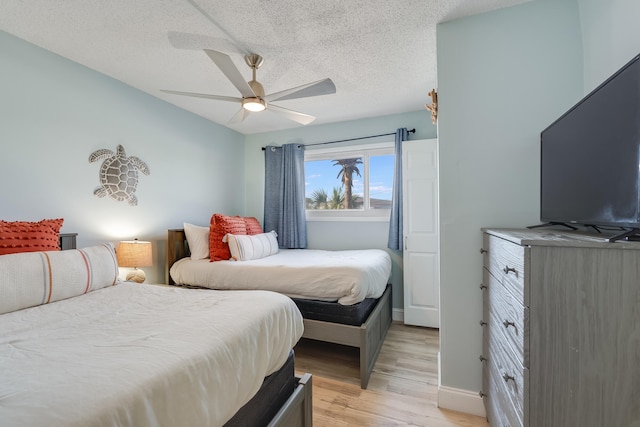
(141, 355)
(347, 276)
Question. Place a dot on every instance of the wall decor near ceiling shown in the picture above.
(434, 106)
(118, 174)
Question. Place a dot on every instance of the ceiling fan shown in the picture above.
(253, 96)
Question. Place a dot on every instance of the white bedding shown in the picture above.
(344, 276)
(141, 355)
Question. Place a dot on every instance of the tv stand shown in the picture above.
(633, 234)
(549, 224)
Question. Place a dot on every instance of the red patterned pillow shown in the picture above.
(24, 236)
(220, 226)
(253, 226)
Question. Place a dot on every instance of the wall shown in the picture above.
(55, 113)
(503, 76)
(336, 235)
(611, 37)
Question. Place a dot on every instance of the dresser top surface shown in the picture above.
(542, 237)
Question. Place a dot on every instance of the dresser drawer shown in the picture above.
(510, 374)
(509, 316)
(501, 411)
(506, 261)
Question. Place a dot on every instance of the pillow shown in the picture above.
(253, 226)
(220, 226)
(24, 236)
(244, 248)
(198, 240)
(36, 278)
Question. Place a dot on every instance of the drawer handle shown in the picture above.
(483, 251)
(508, 377)
(482, 323)
(482, 394)
(508, 270)
(482, 286)
(507, 323)
(482, 358)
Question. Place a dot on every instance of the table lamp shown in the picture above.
(134, 254)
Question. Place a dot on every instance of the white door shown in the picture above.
(420, 228)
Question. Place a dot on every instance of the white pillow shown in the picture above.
(28, 279)
(244, 248)
(198, 240)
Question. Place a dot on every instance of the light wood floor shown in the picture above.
(402, 389)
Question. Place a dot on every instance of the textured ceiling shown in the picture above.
(381, 54)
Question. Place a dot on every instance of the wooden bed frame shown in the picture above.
(368, 337)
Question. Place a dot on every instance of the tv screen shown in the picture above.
(590, 157)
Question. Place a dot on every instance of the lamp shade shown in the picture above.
(134, 253)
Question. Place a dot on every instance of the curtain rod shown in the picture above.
(353, 139)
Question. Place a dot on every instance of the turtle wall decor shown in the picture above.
(118, 174)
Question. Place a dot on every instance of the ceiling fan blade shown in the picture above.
(301, 118)
(227, 67)
(321, 87)
(204, 95)
(192, 41)
(239, 116)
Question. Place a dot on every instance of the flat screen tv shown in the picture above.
(590, 158)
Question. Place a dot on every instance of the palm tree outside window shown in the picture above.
(347, 168)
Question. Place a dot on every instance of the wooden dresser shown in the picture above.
(561, 329)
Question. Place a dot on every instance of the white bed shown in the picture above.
(344, 296)
(347, 277)
(135, 355)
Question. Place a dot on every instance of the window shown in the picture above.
(349, 182)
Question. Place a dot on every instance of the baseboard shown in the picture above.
(397, 314)
(459, 400)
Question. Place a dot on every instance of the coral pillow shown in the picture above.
(24, 236)
(244, 248)
(220, 226)
(253, 226)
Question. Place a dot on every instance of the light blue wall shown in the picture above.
(54, 113)
(336, 235)
(503, 76)
(611, 35)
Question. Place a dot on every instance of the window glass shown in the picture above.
(380, 181)
(353, 182)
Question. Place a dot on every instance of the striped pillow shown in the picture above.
(244, 248)
(28, 279)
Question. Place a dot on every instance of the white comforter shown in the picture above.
(344, 276)
(141, 355)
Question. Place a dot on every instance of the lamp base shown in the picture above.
(137, 276)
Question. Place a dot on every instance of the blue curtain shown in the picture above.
(284, 202)
(395, 221)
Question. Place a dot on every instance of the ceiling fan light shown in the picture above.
(254, 104)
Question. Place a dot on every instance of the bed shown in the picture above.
(362, 323)
(80, 348)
